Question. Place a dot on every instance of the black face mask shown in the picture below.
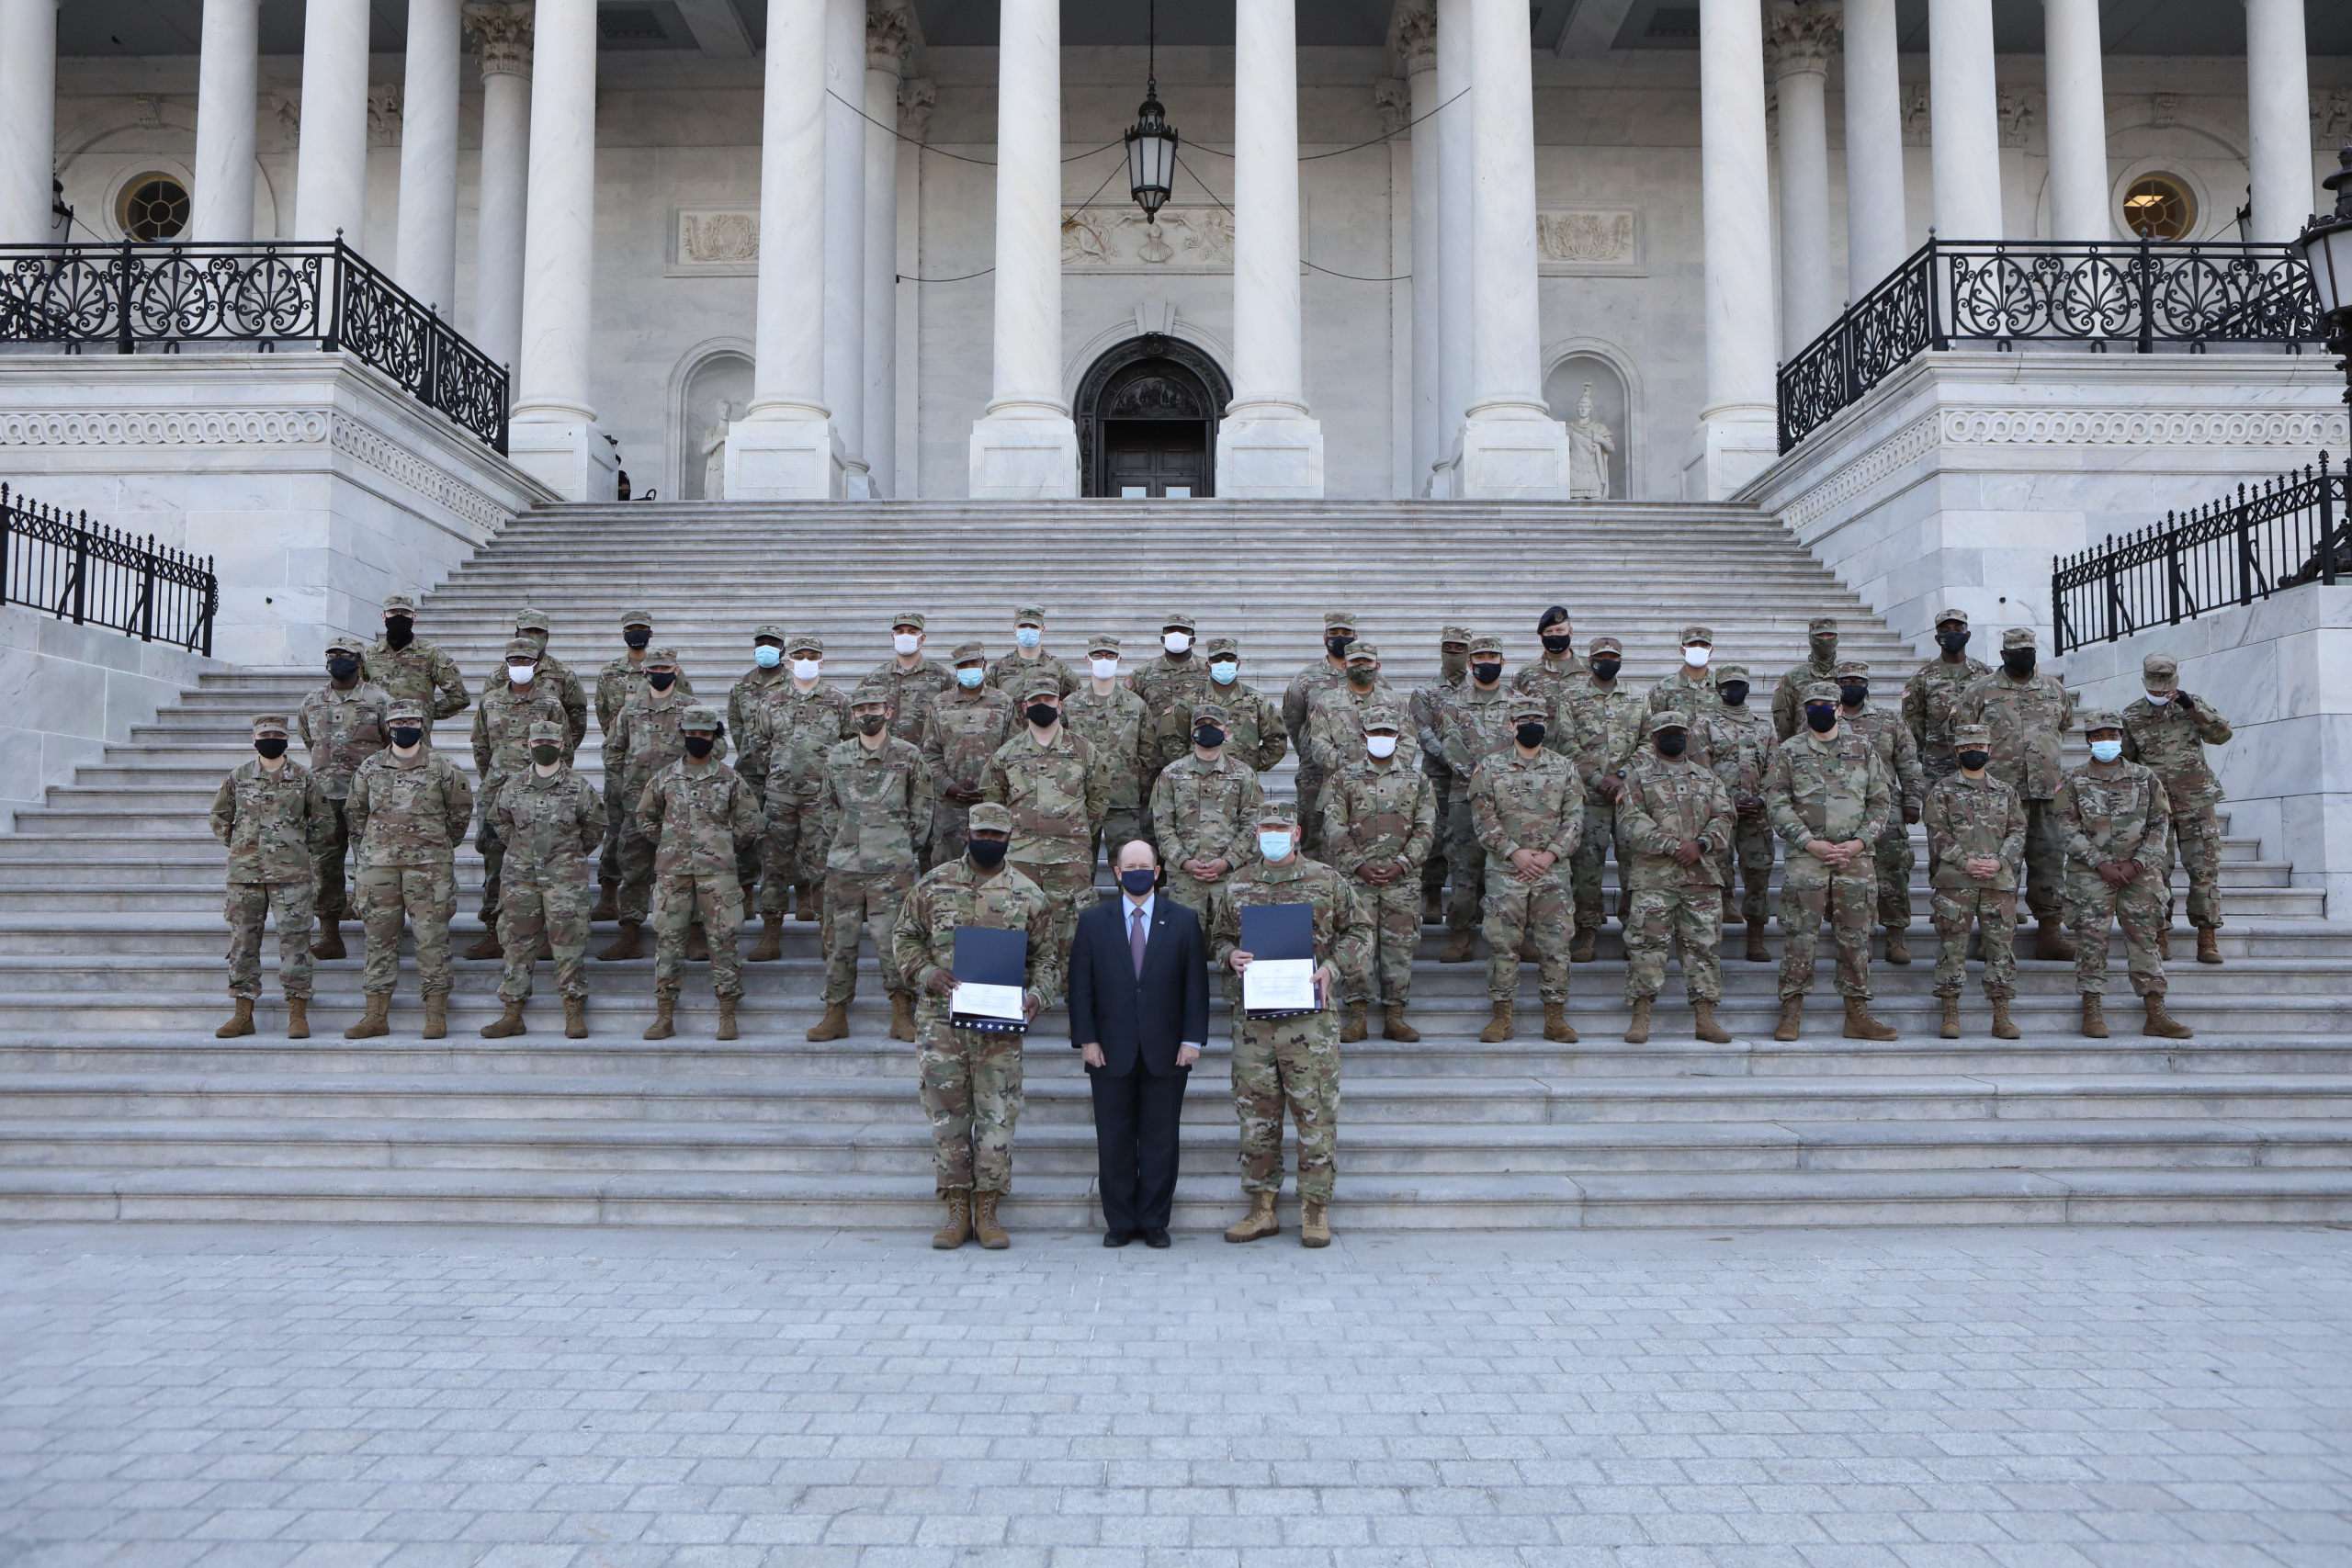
(662, 679)
(1853, 697)
(700, 746)
(1529, 735)
(404, 735)
(399, 631)
(1042, 715)
(1821, 720)
(1606, 668)
(271, 745)
(1975, 761)
(547, 756)
(1672, 743)
(1139, 880)
(1735, 692)
(342, 668)
(872, 723)
(2018, 662)
(637, 636)
(1486, 673)
(1557, 642)
(1951, 642)
(986, 854)
(1337, 646)
(1360, 675)
(1208, 736)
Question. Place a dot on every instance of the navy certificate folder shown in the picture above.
(990, 955)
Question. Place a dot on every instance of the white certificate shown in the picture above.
(1279, 984)
(999, 1003)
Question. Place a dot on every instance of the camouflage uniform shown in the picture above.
(1382, 813)
(1426, 711)
(1288, 1061)
(646, 739)
(1551, 677)
(1334, 738)
(2114, 811)
(1474, 724)
(2170, 738)
(1164, 685)
(503, 725)
(275, 825)
(1899, 754)
(1203, 811)
(1689, 688)
(697, 813)
(1603, 727)
(1932, 698)
(784, 752)
(1668, 801)
(971, 1079)
(1298, 699)
(1119, 728)
(342, 730)
(618, 684)
(420, 673)
(1821, 665)
(874, 810)
(1057, 794)
(556, 676)
(912, 691)
(743, 701)
(2027, 718)
(1255, 733)
(1736, 744)
(1523, 803)
(1833, 788)
(1012, 672)
(959, 735)
(408, 814)
(1975, 819)
(549, 826)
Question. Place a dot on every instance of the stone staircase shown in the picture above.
(116, 1101)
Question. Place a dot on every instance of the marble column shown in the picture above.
(502, 32)
(1268, 445)
(889, 36)
(1799, 38)
(1455, 245)
(785, 447)
(220, 207)
(1416, 49)
(553, 434)
(1737, 435)
(1878, 232)
(331, 164)
(2078, 193)
(2278, 107)
(1025, 446)
(845, 233)
(428, 250)
(1965, 120)
(27, 118)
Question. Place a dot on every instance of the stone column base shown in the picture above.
(1510, 453)
(1728, 450)
(566, 453)
(785, 458)
(1272, 456)
(1023, 457)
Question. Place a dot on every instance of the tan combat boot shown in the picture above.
(1585, 946)
(727, 1029)
(1792, 1019)
(1755, 952)
(329, 942)
(1457, 951)
(1704, 1025)
(698, 945)
(1313, 1223)
(436, 1015)
(665, 1019)
(608, 902)
(2003, 1028)
(1432, 908)
(2209, 945)
(1259, 1222)
(506, 1025)
(1502, 1027)
(770, 947)
(958, 1228)
(1861, 1025)
(1392, 1025)
(240, 1022)
(575, 1018)
(2049, 940)
(804, 901)
(2161, 1024)
(902, 1016)
(1353, 1027)
(2164, 943)
(298, 1017)
(2094, 1017)
(377, 1019)
(1951, 1018)
(1556, 1023)
(1899, 945)
(834, 1025)
(628, 945)
(1638, 1032)
(984, 1221)
(485, 946)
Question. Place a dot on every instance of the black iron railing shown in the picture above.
(317, 294)
(2152, 295)
(63, 566)
(2284, 533)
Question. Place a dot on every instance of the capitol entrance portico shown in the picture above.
(1146, 414)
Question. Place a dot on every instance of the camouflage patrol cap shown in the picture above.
(2101, 719)
(697, 717)
(1103, 640)
(1724, 672)
(2016, 637)
(1224, 644)
(1697, 633)
(347, 643)
(767, 629)
(1336, 620)
(1608, 643)
(1853, 668)
(666, 657)
(908, 618)
(1665, 718)
(1820, 692)
(1363, 648)
(1214, 712)
(2160, 671)
(1486, 642)
(405, 602)
(968, 651)
(527, 619)
(1045, 685)
(1382, 715)
(521, 648)
(874, 689)
(403, 709)
(1454, 634)
(1178, 621)
(1972, 736)
(635, 618)
(1029, 616)
(1946, 614)
(1531, 705)
(1277, 814)
(805, 642)
(546, 730)
(269, 724)
(989, 816)
(1821, 624)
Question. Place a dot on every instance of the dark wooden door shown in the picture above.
(1156, 455)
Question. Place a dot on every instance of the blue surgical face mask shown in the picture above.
(1028, 637)
(767, 658)
(2107, 751)
(1225, 672)
(1273, 846)
(970, 679)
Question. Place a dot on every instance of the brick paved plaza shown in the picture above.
(247, 1397)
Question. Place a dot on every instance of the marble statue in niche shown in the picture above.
(1590, 442)
(714, 451)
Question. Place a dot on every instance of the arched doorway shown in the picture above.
(1146, 414)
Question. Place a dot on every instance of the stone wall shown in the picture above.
(66, 691)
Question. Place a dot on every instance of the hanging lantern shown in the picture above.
(1151, 141)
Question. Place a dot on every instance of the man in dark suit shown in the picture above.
(1138, 1012)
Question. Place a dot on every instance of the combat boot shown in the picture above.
(329, 942)
(1392, 1025)
(665, 1019)
(902, 1016)
(1457, 951)
(2163, 941)
(485, 946)
(1502, 1027)
(1951, 1018)
(1259, 1222)
(2161, 1024)
(1432, 908)
(377, 1019)
(1755, 952)
(298, 1017)
(770, 947)
(2209, 945)
(2003, 1028)
(628, 945)
(1704, 1025)
(834, 1025)
(698, 945)
(1731, 915)
(804, 902)
(1585, 947)
(2049, 940)
(1313, 1223)
(1556, 1023)
(984, 1221)
(608, 902)
(506, 1025)
(1353, 1027)
(575, 1018)
(2094, 1017)
(239, 1021)
(727, 1018)
(1861, 1025)
(1792, 1019)
(958, 1228)
(1899, 945)
(1638, 1032)
(436, 1015)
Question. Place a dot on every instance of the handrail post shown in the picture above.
(124, 342)
(2147, 296)
(1939, 336)
(7, 542)
(81, 566)
(147, 593)
(2326, 524)
(334, 340)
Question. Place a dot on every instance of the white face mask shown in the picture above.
(1381, 746)
(906, 642)
(806, 669)
(1176, 642)
(1104, 668)
(1696, 656)
(521, 674)
(1224, 673)
(2160, 698)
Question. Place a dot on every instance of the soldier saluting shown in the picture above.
(2167, 730)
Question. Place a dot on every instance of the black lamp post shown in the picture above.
(1151, 141)
(2326, 245)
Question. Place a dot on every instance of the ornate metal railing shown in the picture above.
(2286, 532)
(2154, 294)
(317, 294)
(63, 566)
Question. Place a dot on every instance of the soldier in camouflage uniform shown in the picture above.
(1256, 735)
(1528, 806)
(964, 728)
(274, 819)
(697, 811)
(406, 668)
(1933, 695)
(503, 725)
(1829, 798)
(1057, 789)
(767, 672)
(1379, 820)
(1202, 811)
(1976, 831)
(1556, 668)
(794, 726)
(1820, 664)
(1677, 817)
(1602, 717)
(1735, 743)
(1288, 1061)
(1426, 709)
(1335, 723)
(343, 724)
(971, 1078)
(2167, 730)
(2114, 818)
(645, 738)
(874, 810)
(1474, 724)
(551, 820)
(532, 626)
(914, 678)
(1893, 853)
(1013, 674)
(1327, 673)
(1688, 687)
(408, 810)
(1116, 724)
(2029, 713)
(1177, 679)
(616, 684)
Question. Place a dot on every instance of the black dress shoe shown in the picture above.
(1156, 1236)
(1117, 1238)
